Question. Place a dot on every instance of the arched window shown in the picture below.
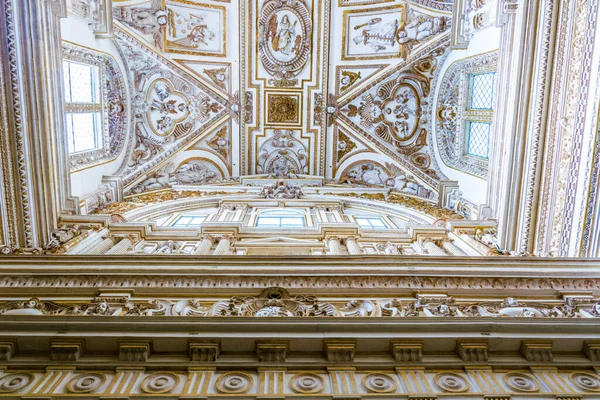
(465, 109)
(281, 219)
(95, 99)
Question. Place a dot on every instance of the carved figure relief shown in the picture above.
(370, 174)
(283, 155)
(196, 29)
(150, 20)
(191, 172)
(285, 39)
(372, 33)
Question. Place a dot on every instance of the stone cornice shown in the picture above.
(392, 275)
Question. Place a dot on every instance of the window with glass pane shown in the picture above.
(370, 222)
(483, 91)
(479, 139)
(184, 221)
(273, 221)
(83, 106)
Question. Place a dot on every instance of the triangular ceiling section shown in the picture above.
(171, 107)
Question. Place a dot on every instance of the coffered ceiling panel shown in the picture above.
(281, 88)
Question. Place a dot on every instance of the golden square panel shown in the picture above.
(283, 109)
(372, 33)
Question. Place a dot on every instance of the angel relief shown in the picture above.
(284, 41)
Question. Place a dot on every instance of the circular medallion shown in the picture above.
(284, 41)
(160, 383)
(586, 381)
(234, 382)
(12, 382)
(451, 382)
(521, 382)
(379, 383)
(307, 383)
(85, 383)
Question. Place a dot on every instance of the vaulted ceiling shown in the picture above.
(339, 90)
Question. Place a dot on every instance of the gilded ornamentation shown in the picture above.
(61, 236)
(11, 383)
(410, 202)
(221, 142)
(379, 383)
(307, 383)
(86, 383)
(344, 145)
(283, 109)
(170, 107)
(234, 383)
(284, 39)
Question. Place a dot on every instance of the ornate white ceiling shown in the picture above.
(337, 89)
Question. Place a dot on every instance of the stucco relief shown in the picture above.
(372, 174)
(394, 113)
(283, 154)
(284, 39)
(169, 106)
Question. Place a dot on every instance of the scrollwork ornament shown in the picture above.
(85, 383)
(521, 382)
(586, 381)
(11, 383)
(158, 383)
(451, 382)
(307, 383)
(234, 383)
(379, 383)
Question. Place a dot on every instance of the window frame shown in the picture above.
(95, 107)
(173, 223)
(362, 217)
(281, 214)
(113, 124)
(454, 113)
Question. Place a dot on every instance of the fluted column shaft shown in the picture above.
(433, 249)
(223, 246)
(451, 248)
(352, 246)
(204, 246)
(102, 247)
(334, 246)
(122, 247)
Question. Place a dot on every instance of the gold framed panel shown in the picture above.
(355, 29)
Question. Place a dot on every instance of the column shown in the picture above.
(122, 247)
(223, 246)
(352, 245)
(451, 248)
(333, 243)
(204, 246)
(34, 159)
(102, 247)
(477, 246)
(432, 248)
